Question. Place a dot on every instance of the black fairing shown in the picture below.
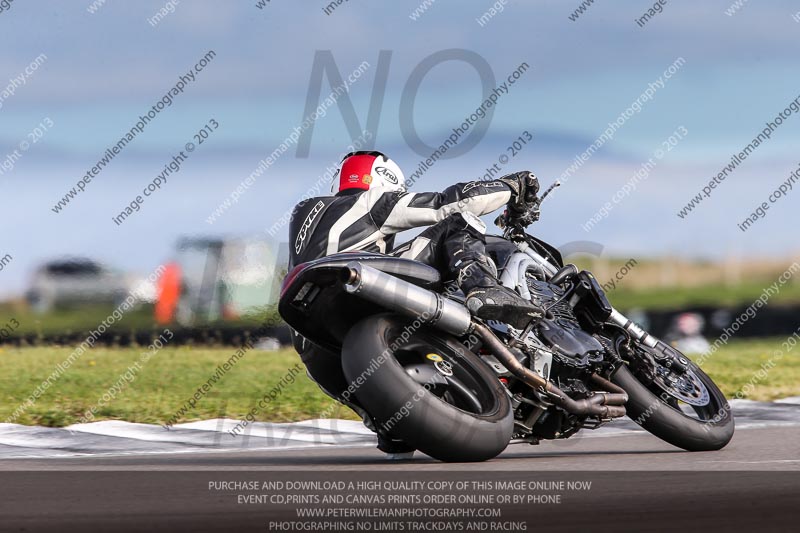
(315, 304)
(546, 250)
(593, 308)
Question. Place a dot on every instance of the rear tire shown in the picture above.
(416, 415)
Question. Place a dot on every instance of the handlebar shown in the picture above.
(517, 223)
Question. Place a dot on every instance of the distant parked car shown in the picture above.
(75, 281)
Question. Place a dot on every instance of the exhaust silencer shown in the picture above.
(403, 297)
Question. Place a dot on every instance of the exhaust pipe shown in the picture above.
(406, 298)
(607, 386)
(603, 405)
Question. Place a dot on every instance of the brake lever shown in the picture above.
(550, 189)
(534, 212)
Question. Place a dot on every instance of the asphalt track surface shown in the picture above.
(640, 484)
(754, 449)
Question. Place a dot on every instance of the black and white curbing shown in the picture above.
(115, 437)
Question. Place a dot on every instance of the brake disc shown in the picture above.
(687, 388)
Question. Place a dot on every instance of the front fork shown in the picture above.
(670, 357)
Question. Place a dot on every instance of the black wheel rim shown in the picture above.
(447, 375)
(686, 388)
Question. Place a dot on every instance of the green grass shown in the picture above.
(159, 389)
(84, 320)
(735, 368)
(67, 321)
(166, 381)
(713, 295)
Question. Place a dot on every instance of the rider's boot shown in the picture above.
(489, 300)
(465, 250)
(395, 449)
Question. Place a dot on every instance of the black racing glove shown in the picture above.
(524, 190)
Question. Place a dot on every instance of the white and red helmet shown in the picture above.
(368, 170)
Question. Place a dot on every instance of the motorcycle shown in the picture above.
(461, 389)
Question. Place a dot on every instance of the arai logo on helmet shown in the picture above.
(386, 173)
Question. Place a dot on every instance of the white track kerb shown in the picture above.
(114, 437)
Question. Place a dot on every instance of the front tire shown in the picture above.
(651, 409)
(462, 417)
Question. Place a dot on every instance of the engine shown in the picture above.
(561, 333)
(560, 351)
(557, 348)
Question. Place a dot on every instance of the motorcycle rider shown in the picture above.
(370, 205)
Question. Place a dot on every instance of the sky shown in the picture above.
(102, 65)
